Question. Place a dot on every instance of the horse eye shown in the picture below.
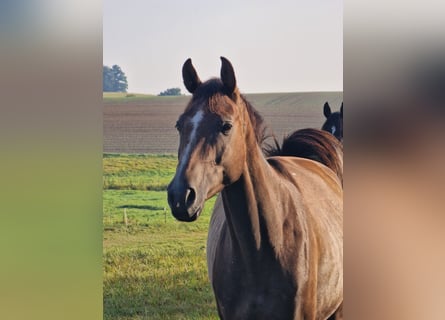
(226, 126)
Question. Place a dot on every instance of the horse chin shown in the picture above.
(196, 215)
(190, 217)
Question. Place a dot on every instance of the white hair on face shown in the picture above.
(196, 120)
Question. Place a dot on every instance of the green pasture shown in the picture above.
(154, 266)
(138, 172)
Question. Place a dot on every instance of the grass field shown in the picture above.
(154, 267)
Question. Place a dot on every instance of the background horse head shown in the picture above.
(334, 121)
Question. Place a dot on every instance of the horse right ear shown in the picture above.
(190, 77)
(326, 110)
(341, 109)
(228, 76)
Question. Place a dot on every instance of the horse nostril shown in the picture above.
(190, 197)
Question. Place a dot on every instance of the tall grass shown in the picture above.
(154, 266)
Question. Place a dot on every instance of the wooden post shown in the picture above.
(125, 217)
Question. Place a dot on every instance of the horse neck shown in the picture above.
(252, 220)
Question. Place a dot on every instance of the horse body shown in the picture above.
(274, 248)
(279, 261)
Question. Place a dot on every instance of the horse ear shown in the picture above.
(341, 109)
(326, 110)
(190, 77)
(228, 76)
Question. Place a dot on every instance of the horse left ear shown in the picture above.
(190, 77)
(228, 76)
(341, 109)
(326, 110)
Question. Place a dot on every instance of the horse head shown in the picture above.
(334, 121)
(211, 150)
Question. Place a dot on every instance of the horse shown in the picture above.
(334, 121)
(311, 144)
(275, 243)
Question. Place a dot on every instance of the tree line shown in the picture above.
(171, 92)
(115, 80)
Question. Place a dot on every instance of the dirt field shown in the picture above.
(147, 125)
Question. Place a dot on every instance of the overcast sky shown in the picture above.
(274, 46)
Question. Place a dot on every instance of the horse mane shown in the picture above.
(311, 144)
(256, 119)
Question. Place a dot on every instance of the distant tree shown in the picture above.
(171, 92)
(114, 79)
(108, 79)
(120, 79)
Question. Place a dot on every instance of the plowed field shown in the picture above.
(146, 124)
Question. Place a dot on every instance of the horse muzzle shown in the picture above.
(184, 202)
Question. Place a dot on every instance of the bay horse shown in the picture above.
(275, 243)
(334, 121)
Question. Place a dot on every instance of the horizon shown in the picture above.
(187, 94)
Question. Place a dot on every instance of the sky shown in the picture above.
(274, 46)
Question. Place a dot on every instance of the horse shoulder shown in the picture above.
(324, 215)
(318, 194)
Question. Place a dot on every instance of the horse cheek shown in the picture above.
(236, 157)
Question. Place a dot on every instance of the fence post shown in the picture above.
(125, 217)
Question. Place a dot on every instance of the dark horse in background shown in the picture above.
(334, 121)
(275, 244)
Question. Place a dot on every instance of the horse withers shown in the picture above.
(275, 243)
(313, 144)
